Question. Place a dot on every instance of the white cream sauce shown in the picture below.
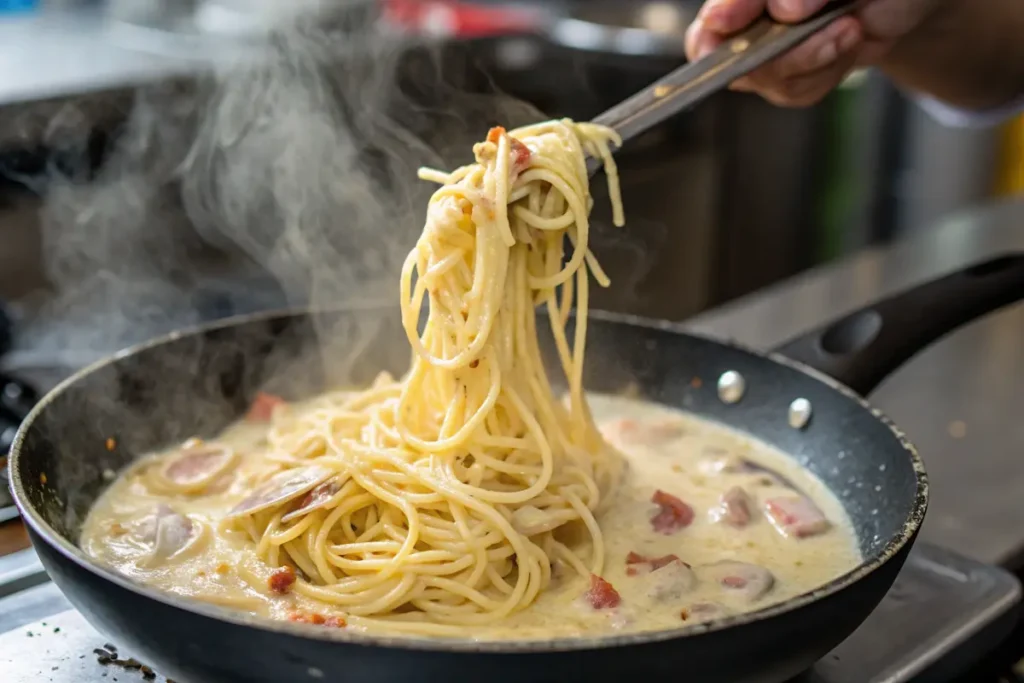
(731, 559)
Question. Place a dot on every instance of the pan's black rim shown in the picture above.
(410, 642)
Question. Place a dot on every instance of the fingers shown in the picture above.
(718, 19)
(794, 10)
(808, 89)
(729, 16)
(820, 50)
(801, 76)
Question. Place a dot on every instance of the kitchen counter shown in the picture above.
(61, 53)
(959, 401)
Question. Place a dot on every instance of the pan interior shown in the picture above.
(198, 383)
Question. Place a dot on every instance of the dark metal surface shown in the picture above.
(959, 401)
(204, 380)
(943, 612)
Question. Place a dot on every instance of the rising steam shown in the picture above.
(285, 179)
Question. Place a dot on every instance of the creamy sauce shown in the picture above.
(782, 534)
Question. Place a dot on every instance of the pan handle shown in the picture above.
(863, 348)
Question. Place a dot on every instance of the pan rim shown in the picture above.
(71, 552)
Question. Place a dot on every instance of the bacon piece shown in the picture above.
(520, 155)
(673, 515)
(734, 508)
(317, 620)
(281, 581)
(601, 594)
(494, 134)
(262, 407)
(796, 517)
(637, 564)
(520, 152)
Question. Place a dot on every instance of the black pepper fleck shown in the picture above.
(56, 629)
(112, 648)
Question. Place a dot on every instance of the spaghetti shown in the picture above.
(441, 500)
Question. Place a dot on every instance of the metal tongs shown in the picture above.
(761, 42)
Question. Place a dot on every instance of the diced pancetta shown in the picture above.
(735, 508)
(262, 408)
(601, 595)
(673, 514)
(796, 516)
(746, 581)
(637, 565)
(281, 581)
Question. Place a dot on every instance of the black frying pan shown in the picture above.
(198, 381)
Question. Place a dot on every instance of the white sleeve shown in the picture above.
(961, 118)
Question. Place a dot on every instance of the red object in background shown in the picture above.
(452, 18)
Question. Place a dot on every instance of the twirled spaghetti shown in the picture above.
(444, 497)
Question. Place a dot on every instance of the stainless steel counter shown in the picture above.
(961, 401)
(63, 53)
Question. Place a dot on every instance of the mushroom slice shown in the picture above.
(196, 467)
(670, 582)
(705, 610)
(167, 531)
(315, 499)
(735, 508)
(281, 488)
(746, 581)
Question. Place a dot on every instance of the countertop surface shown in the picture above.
(960, 401)
(60, 53)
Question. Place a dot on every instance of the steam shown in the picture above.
(285, 179)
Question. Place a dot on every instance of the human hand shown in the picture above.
(808, 72)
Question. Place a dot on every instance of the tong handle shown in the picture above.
(759, 43)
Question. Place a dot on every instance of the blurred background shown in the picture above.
(745, 194)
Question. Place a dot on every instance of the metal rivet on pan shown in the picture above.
(799, 413)
(731, 386)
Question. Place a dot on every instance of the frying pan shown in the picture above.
(198, 381)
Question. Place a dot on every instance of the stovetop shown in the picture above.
(944, 614)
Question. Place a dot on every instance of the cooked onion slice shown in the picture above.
(281, 488)
(196, 467)
(316, 498)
